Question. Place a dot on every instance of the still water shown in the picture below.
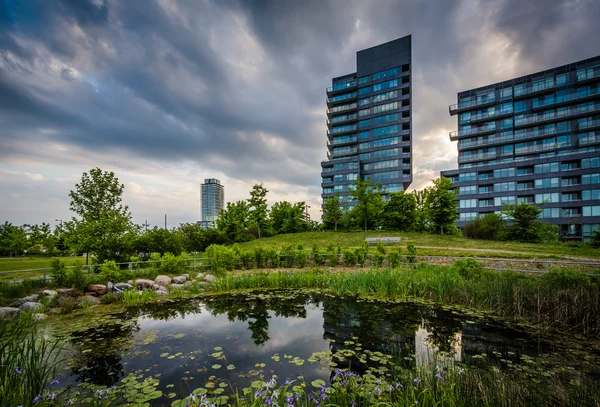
(238, 337)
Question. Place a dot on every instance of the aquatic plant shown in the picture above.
(132, 297)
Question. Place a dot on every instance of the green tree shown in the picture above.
(103, 226)
(400, 212)
(442, 207)
(524, 226)
(234, 221)
(288, 218)
(332, 212)
(487, 227)
(161, 240)
(595, 240)
(422, 222)
(259, 211)
(368, 203)
(13, 239)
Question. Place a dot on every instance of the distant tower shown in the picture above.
(213, 200)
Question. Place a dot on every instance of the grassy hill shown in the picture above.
(434, 245)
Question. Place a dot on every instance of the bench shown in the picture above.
(375, 240)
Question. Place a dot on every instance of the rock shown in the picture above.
(187, 284)
(130, 282)
(123, 286)
(31, 306)
(57, 310)
(179, 280)
(97, 289)
(161, 292)
(143, 282)
(163, 280)
(155, 286)
(66, 292)
(110, 286)
(7, 312)
(200, 275)
(161, 288)
(186, 275)
(210, 278)
(90, 299)
(177, 285)
(21, 301)
(49, 293)
(39, 317)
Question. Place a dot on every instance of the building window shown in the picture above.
(363, 91)
(467, 176)
(545, 168)
(385, 85)
(546, 198)
(590, 194)
(501, 200)
(363, 80)
(550, 213)
(590, 162)
(467, 216)
(382, 131)
(504, 172)
(471, 189)
(546, 183)
(504, 187)
(467, 203)
(385, 74)
(588, 179)
(591, 210)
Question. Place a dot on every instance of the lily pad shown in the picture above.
(215, 366)
(318, 383)
(230, 367)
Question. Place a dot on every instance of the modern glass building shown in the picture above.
(533, 139)
(212, 201)
(369, 122)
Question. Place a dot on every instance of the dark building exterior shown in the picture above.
(212, 201)
(533, 139)
(369, 122)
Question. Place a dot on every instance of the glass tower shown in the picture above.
(212, 201)
(369, 123)
(532, 139)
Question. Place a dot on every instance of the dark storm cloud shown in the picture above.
(238, 86)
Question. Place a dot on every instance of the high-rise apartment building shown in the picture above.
(213, 200)
(369, 122)
(533, 139)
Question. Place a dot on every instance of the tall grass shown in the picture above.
(28, 363)
(568, 301)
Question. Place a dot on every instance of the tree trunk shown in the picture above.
(365, 223)
(335, 226)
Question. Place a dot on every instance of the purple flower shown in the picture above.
(461, 370)
(398, 385)
(378, 390)
(53, 382)
(37, 399)
(390, 388)
(51, 396)
(353, 403)
(417, 380)
(17, 370)
(439, 376)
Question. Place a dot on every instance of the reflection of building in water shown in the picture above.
(426, 350)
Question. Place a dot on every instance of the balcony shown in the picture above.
(338, 141)
(525, 121)
(342, 129)
(589, 75)
(534, 89)
(493, 115)
(348, 151)
(465, 144)
(588, 125)
(476, 157)
(462, 106)
(572, 97)
(586, 141)
(341, 98)
(342, 86)
(473, 131)
(342, 108)
(342, 119)
(535, 149)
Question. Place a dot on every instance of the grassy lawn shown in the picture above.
(29, 263)
(439, 244)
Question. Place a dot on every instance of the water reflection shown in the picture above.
(272, 332)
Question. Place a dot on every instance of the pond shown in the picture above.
(228, 341)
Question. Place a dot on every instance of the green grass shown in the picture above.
(482, 247)
(16, 264)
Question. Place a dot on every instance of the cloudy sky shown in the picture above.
(167, 93)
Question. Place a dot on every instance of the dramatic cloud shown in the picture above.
(172, 92)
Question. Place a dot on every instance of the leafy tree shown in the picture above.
(234, 221)
(13, 239)
(523, 217)
(259, 210)
(196, 239)
(488, 227)
(332, 212)
(400, 212)
(595, 241)
(441, 206)
(288, 218)
(103, 226)
(163, 241)
(422, 222)
(369, 203)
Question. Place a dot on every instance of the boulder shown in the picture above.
(200, 275)
(163, 280)
(187, 284)
(179, 280)
(7, 312)
(155, 286)
(177, 285)
(161, 288)
(31, 306)
(110, 286)
(49, 293)
(143, 282)
(210, 278)
(97, 289)
(39, 317)
(66, 292)
(21, 301)
(57, 310)
(90, 299)
(161, 292)
(186, 275)
(123, 286)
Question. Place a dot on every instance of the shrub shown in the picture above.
(348, 257)
(59, 272)
(78, 278)
(381, 248)
(488, 227)
(171, 264)
(411, 255)
(301, 257)
(332, 258)
(317, 256)
(222, 257)
(564, 279)
(109, 271)
(394, 257)
(377, 259)
(260, 257)
(272, 256)
(361, 254)
(468, 268)
(247, 259)
(110, 298)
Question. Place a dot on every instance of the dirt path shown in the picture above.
(510, 252)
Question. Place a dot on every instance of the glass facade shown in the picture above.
(212, 202)
(533, 139)
(369, 123)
